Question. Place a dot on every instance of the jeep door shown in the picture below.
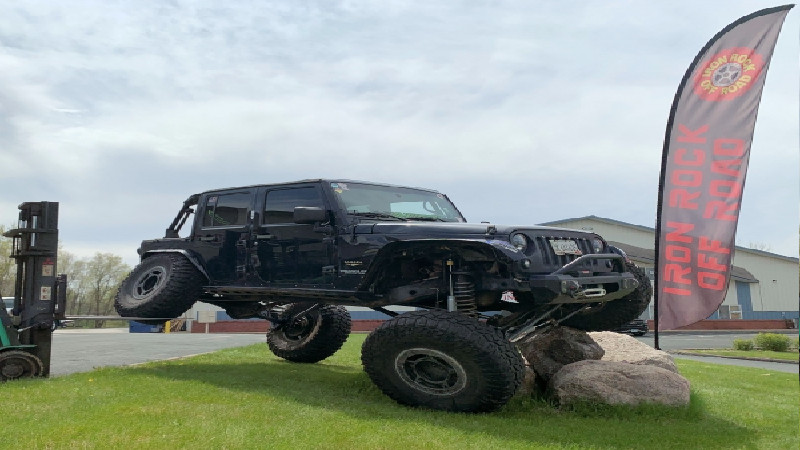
(222, 232)
(287, 253)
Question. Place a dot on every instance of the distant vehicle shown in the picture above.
(636, 327)
(8, 303)
(62, 324)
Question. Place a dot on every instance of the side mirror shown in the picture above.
(309, 214)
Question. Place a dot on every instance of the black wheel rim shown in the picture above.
(430, 371)
(299, 329)
(149, 282)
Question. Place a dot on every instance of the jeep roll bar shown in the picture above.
(183, 214)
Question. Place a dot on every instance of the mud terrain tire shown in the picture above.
(443, 360)
(161, 286)
(313, 336)
(616, 313)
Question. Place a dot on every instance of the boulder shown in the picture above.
(549, 351)
(624, 348)
(529, 386)
(618, 383)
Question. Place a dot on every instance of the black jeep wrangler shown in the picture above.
(297, 253)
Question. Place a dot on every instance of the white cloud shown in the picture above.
(521, 113)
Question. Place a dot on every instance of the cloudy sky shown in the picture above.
(522, 112)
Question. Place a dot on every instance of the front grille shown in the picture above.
(551, 261)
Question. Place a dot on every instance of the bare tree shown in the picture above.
(92, 283)
(8, 266)
(70, 265)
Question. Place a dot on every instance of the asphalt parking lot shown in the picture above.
(83, 350)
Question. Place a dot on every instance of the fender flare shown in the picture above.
(187, 254)
(493, 250)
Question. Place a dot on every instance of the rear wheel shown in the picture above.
(162, 286)
(443, 360)
(616, 313)
(311, 334)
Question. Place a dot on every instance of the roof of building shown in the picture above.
(653, 230)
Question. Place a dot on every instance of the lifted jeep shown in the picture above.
(297, 253)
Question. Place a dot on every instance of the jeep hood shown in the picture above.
(447, 229)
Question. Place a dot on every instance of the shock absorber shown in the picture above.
(464, 293)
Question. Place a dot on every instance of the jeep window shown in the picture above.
(224, 210)
(368, 200)
(280, 203)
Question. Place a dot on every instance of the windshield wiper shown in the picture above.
(426, 218)
(377, 215)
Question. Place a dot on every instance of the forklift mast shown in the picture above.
(39, 293)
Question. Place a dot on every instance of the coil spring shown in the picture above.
(464, 292)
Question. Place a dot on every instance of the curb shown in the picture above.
(673, 332)
(783, 361)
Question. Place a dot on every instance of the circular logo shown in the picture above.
(727, 74)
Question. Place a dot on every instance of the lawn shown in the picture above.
(247, 398)
(791, 355)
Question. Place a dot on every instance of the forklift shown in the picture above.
(39, 294)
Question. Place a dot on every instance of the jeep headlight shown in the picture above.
(519, 241)
(598, 245)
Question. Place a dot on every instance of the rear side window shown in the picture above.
(226, 210)
(280, 203)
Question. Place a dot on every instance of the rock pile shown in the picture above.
(574, 366)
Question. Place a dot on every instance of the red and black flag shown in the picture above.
(706, 151)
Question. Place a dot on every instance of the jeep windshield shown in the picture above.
(391, 202)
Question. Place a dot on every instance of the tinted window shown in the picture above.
(280, 203)
(226, 210)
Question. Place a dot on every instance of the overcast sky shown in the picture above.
(522, 112)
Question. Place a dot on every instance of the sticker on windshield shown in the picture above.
(440, 195)
(343, 187)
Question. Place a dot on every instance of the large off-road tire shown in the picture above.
(616, 313)
(443, 360)
(311, 337)
(162, 286)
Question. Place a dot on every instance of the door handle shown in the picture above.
(264, 236)
(208, 238)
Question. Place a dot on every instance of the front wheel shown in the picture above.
(443, 360)
(310, 333)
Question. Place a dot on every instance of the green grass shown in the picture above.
(790, 355)
(247, 398)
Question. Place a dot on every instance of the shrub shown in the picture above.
(743, 344)
(797, 342)
(772, 341)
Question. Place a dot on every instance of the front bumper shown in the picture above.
(577, 282)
